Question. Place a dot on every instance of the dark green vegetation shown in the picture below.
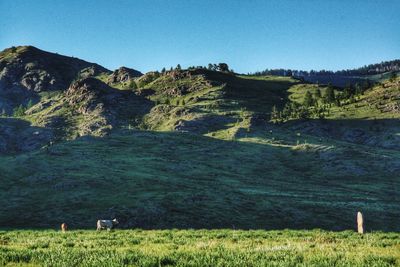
(167, 180)
(370, 73)
(193, 149)
(198, 248)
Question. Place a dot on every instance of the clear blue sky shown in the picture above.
(248, 35)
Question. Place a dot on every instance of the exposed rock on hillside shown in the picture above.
(37, 70)
(90, 72)
(26, 71)
(174, 83)
(102, 106)
(93, 99)
(123, 75)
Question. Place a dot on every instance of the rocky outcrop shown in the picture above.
(102, 106)
(37, 70)
(26, 71)
(91, 71)
(174, 83)
(88, 93)
(123, 75)
(94, 100)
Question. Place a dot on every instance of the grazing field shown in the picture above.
(198, 248)
(155, 180)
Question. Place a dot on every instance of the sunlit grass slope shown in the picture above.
(198, 248)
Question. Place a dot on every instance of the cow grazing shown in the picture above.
(64, 227)
(106, 224)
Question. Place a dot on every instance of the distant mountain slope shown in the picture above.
(341, 80)
(373, 73)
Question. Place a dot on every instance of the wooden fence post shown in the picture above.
(360, 223)
(64, 227)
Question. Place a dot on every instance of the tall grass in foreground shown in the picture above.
(198, 248)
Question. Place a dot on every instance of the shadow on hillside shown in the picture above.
(252, 94)
(336, 80)
(121, 104)
(14, 96)
(18, 136)
(383, 133)
(205, 124)
(256, 95)
(131, 108)
(106, 108)
(158, 180)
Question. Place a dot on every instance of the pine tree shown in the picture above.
(303, 113)
(275, 116)
(318, 94)
(320, 113)
(308, 100)
(223, 67)
(287, 111)
(329, 95)
(132, 85)
(393, 76)
(30, 104)
(359, 90)
(19, 111)
(348, 91)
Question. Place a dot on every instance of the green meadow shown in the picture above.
(212, 166)
(198, 248)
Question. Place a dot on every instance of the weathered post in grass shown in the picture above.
(360, 223)
(64, 227)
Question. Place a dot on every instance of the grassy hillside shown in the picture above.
(198, 248)
(233, 169)
(211, 103)
(267, 179)
(381, 101)
(196, 149)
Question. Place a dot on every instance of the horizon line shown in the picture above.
(242, 73)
